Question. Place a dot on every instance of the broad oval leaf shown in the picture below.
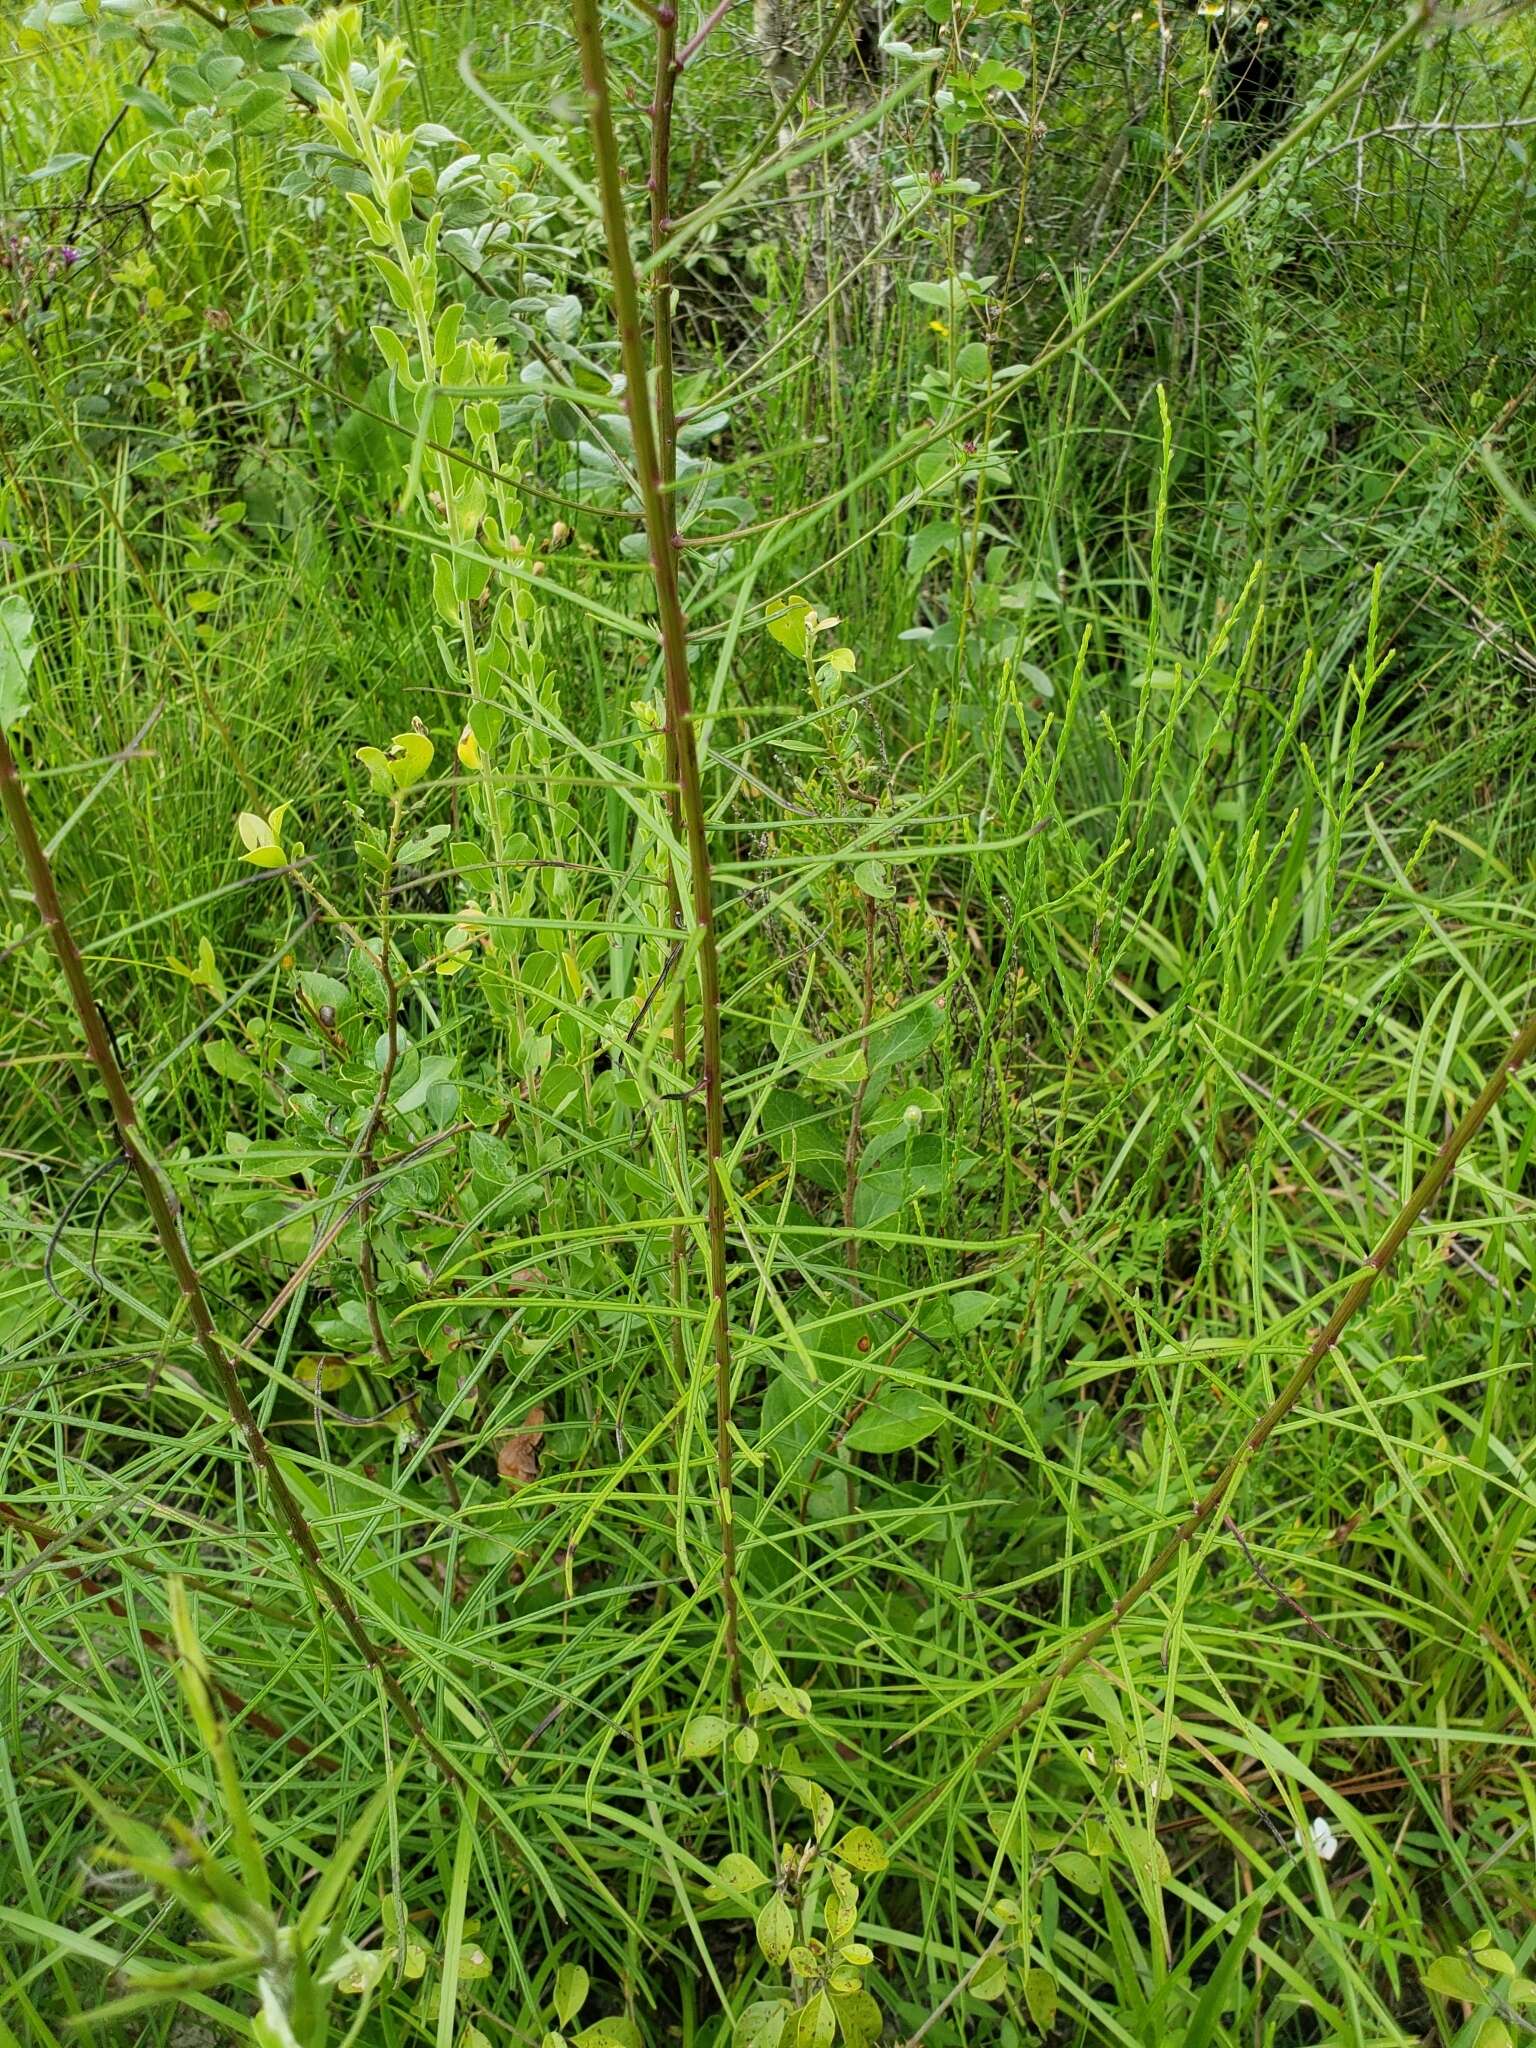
(991, 1978)
(254, 831)
(817, 2023)
(17, 652)
(762, 2023)
(1452, 1977)
(863, 1849)
(775, 1930)
(1040, 1997)
(1079, 1870)
(704, 1734)
(738, 1873)
(616, 2032)
(571, 1985)
(785, 620)
(896, 1419)
(411, 755)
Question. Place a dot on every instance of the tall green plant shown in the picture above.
(655, 467)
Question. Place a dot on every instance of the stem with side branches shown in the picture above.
(1433, 1179)
(654, 456)
(162, 1207)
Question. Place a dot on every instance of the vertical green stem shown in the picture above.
(652, 467)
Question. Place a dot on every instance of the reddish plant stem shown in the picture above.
(702, 34)
(656, 500)
(1212, 1502)
(46, 1538)
(162, 1207)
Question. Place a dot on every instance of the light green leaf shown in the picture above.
(789, 1700)
(817, 2025)
(704, 1734)
(229, 1062)
(761, 2025)
(863, 1849)
(858, 2019)
(410, 758)
(736, 1874)
(571, 1985)
(1452, 1977)
(871, 877)
(785, 620)
(610, 2033)
(1080, 1870)
(816, 1801)
(376, 761)
(775, 1930)
(930, 541)
(17, 650)
(991, 1979)
(896, 1419)
(1040, 1997)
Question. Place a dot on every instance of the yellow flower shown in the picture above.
(938, 327)
(469, 750)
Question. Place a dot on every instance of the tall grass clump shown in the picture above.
(766, 922)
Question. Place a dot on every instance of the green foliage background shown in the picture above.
(1109, 942)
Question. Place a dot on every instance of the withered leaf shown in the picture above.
(517, 1458)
